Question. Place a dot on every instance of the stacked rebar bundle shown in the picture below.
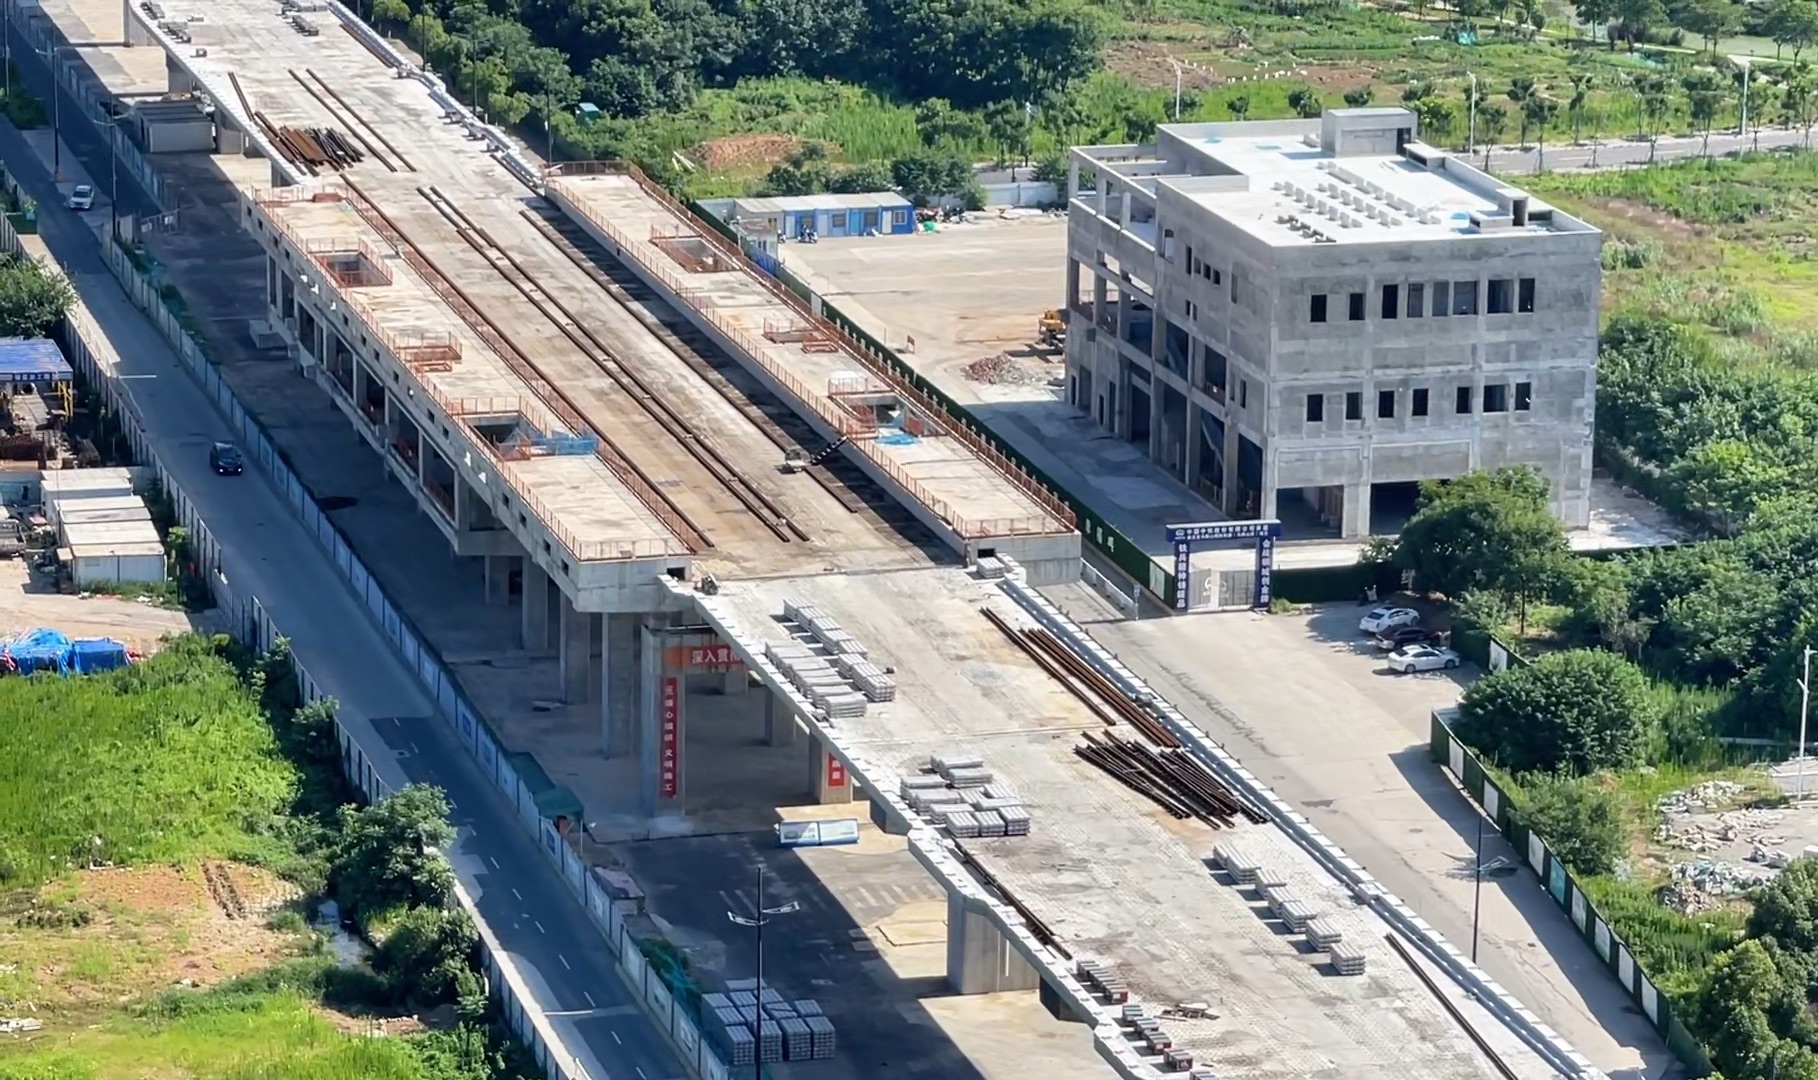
(318, 147)
(1072, 670)
(1170, 777)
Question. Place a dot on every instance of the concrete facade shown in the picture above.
(1310, 308)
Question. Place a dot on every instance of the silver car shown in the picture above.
(1406, 661)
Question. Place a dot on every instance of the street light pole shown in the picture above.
(50, 61)
(1477, 892)
(1471, 134)
(1178, 72)
(763, 915)
(1805, 705)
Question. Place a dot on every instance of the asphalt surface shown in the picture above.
(522, 898)
(1631, 152)
(82, 136)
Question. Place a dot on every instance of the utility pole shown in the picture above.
(1805, 705)
(1478, 869)
(50, 61)
(763, 916)
(1178, 72)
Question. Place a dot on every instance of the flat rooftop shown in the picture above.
(600, 361)
(606, 518)
(1111, 874)
(1328, 180)
(968, 491)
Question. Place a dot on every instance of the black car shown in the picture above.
(1403, 636)
(224, 458)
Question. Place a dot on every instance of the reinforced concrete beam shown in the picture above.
(980, 960)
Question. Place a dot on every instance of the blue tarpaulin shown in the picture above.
(32, 360)
(41, 650)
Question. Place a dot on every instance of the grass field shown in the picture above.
(1724, 244)
(167, 760)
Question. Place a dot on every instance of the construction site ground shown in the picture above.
(973, 291)
(868, 942)
(1309, 707)
(27, 602)
(1110, 873)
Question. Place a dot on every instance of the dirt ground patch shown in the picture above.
(24, 606)
(1147, 63)
(733, 151)
(106, 937)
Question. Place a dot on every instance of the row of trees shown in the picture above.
(632, 58)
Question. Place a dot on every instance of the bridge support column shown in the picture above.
(576, 652)
(779, 724)
(830, 784)
(619, 669)
(662, 727)
(536, 608)
(498, 578)
(980, 960)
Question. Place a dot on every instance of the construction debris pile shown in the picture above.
(957, 793)
(829, 666)
(1298, 915)
(786, 1030)
(1706, 821)
(1001, 370)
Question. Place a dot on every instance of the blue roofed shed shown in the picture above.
(32, 360)
(858, 214)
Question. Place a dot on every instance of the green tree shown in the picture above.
(1786, 909)
(1486, 530)
(1728, 479)
(1522, 90)
(1579, 819)
(1239, 107)
(1711, 20)
(806, 171)
(1007, 122)
(864, 177)
(1637, 17)
(1704, 97)
(1742, 985)
(1792, 23)
(390, 853)
(1305, 102)
(1598, 13)
(1580, 100)
(1799, 101)
(425, 952)
(1495, 120)
(1436, 117)
(1571, 712)
(1358, 97)
(938, 123)
(927, 177)
(387, 14)
(33, 297)
(1537, 112)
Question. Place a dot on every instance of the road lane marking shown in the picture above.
(640, 1073)
(564, 961)
(592, 1004)
(539, 927)
(514, 889)
(616, 1039)
(493, 861)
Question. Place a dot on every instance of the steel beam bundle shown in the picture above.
(1169, 777)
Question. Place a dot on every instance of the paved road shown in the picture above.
(521, 897)
(81, 135)
(1628, 153)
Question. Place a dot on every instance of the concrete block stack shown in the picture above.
(845, 656)
(1233, 860)
(816, 678)
(1098, 978)
(1347, 959)
(1146, 1031)
(787, 1030)
(958, 793)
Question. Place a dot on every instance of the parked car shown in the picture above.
(1388, 618)
(1401, 637)
(224, 458)
(1412, 658)
(83, 198)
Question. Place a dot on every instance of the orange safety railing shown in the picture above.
(1018, 476)
(855, 384)
(369, 271)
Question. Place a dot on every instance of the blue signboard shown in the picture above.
(1211, 531)
(1183, 537)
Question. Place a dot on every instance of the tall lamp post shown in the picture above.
(1478, 869)
(763, 916)
(50, 61)
(1805, 705)
(1179, 73)
(1471, 132)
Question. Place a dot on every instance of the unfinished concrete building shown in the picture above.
(1304, 319)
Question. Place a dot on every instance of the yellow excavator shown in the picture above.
(1051, 331)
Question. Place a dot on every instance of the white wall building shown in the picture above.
(1304, 318)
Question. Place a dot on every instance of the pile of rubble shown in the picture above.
(1705, 820)
(1000, 370)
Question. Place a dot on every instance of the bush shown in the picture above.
(1573, 712)
(425, 953)
(390, 854)
(1579, 819)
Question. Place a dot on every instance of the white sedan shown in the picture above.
(83, 198)
(1384, 619)
(1422, 658)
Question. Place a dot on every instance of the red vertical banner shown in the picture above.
(671, 737)
(836, 772)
